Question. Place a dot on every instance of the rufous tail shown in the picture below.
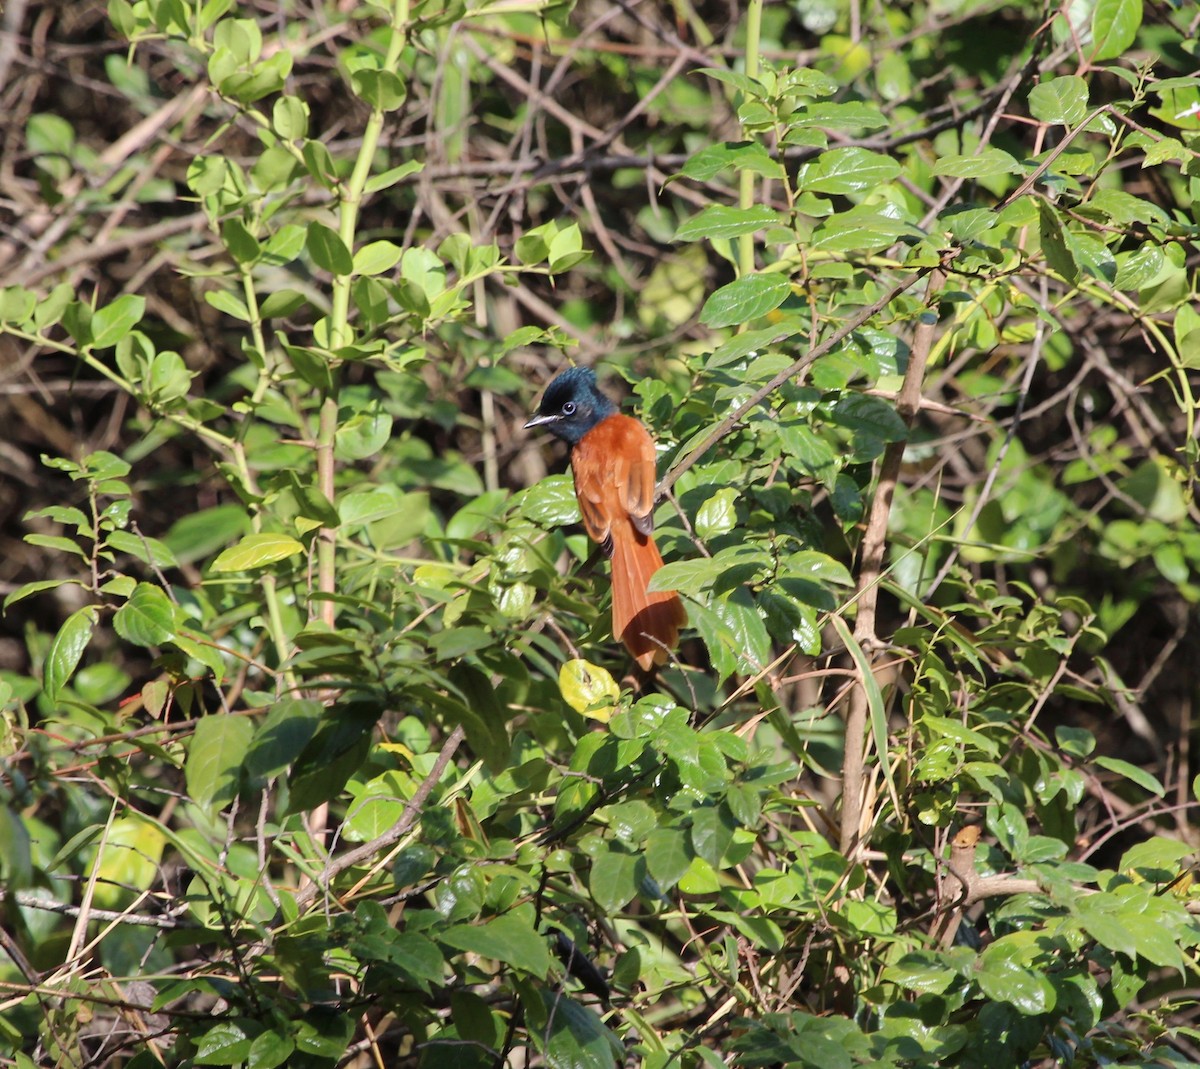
(648, 623)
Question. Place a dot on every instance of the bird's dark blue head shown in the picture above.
(572, 405)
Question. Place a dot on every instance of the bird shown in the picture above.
(612, 461)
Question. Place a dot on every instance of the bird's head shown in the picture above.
(572, 405)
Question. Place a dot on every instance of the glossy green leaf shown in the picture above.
(847, 170)
(551, 503)
(269, 1050)
(744, 300)
(225, 1043)
(712, 832)
(1054, 245)
(1060, 100)
(724, 221)
(718, 514)
(147, 618)
(1115, 24)
(67, 648)
(257, 551)
(739, 155)
(1006, 974)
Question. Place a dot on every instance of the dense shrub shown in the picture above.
(316, 749)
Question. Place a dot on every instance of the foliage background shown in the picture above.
(290, 772)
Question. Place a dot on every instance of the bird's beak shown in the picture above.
(539, 421)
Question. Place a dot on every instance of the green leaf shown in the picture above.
(1061, 100)
(742, 82)
(751, 341)
(551, 502)
(111, 323)
(576, 1038)
(127, 859)
(509, 938)
(327, 250)
(744, 300)
(36, 587)
(614, 879)
(229, 303)
(377, 257)
(335, 752)
(863, 228)
(323, 1035)
(1115, 24)
(147, 618)
(215, 757)
(393, 175)
(256, 551)
(742, 630)
(380, 89)
(712, 832)
(363, 434)
(725, 221)
(281, 737)
(281, 304)
(847, 115)
(147, 550)
(16, 860)
(67, 648)
(270, 1050)
(667, 855)
(749, 156)
(987, 164)
(1132, 773)
(242, 245)
(1003, 974)
(289, 118)
(875, 704)
(691, 576)
(200, 533)
(225, 1043)
(718, 515)
(922, 971)
(869, 415)
(846, 170)
(1158, 852)
(1054, 245)
(475, 703)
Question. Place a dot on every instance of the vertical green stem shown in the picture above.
(349, 201)
(746, 183)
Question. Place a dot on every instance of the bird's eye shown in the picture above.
(569, 408)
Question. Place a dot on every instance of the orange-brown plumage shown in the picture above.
(613, 465)
(612, 460)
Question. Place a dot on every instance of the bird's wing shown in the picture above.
(613, 466)
(635, 476)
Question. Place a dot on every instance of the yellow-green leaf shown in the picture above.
(588, 689)
(257, 550)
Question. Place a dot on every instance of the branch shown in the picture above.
(828, 345)
(908, 403)
(334, 866)
(975, 888)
